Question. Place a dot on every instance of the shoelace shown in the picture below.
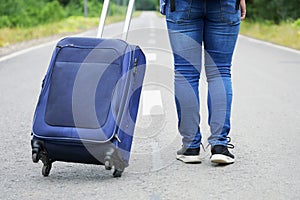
(229, 145)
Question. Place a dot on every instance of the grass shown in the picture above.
(70, 25)
(285, 33)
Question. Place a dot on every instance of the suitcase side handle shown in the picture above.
(127, 19)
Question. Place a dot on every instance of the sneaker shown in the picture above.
(188, 155)
(221, 155)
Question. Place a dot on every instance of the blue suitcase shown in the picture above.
(88, 104)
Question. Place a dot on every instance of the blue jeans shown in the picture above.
(215, 24)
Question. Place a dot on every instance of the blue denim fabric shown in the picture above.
(215, 24)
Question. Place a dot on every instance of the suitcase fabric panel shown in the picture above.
(129, 116)
(70, 103)
(57, 98)
(105, 133)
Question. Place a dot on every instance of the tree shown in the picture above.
(273, 10)
(146, 4)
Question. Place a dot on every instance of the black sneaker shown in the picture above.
(221, 155)
(188, 155)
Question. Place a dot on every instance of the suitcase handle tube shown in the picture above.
(127, 19)
(102, 18)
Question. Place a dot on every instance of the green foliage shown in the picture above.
(5, 21)
(94, 8)
(18, 13)
(286, 33)
(74, 7)
(29, 13)
(297, 23)
(51, 12)
(146, 4)
(64, 2)
(273, 10)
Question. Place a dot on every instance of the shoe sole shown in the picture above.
(189, 159)
(221, 159)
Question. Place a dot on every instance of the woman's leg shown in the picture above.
(185, 27)
(220, 35)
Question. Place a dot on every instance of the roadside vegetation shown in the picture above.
(70, 25)
(276, 21)
(286, 33)
(31, 19)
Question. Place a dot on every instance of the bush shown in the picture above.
(52, 12)
(146, 5)
(74, 8)
(4, 21)
(297, 23)
(94, 8)
(16, 13)
(273, 10)
(29, 13)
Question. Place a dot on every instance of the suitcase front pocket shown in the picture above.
(80, 93)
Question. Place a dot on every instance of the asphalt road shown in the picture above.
(265, 129)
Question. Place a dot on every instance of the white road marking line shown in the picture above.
(151, 41)
(152, 102)
(18, 53)
(152, 34)
(151, 57)
(52, 43)
(157, 162)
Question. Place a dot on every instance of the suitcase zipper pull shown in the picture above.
(67, 45)
(135, 66)
(117, 137)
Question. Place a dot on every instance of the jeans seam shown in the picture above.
(204, 8)
(190, 8)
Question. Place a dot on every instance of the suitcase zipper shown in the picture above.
(67, 45)
(84, 47)
(135, 66)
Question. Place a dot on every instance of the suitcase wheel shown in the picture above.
(46, 169)
(39, 153)
(108, 165)
(117, 173)
(112, 160)
(47, 165)
(37, 149)
(35, 157)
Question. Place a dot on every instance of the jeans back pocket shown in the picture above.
(229, 12)
(181, 13)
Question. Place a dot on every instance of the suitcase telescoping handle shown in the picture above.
(127, 19)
